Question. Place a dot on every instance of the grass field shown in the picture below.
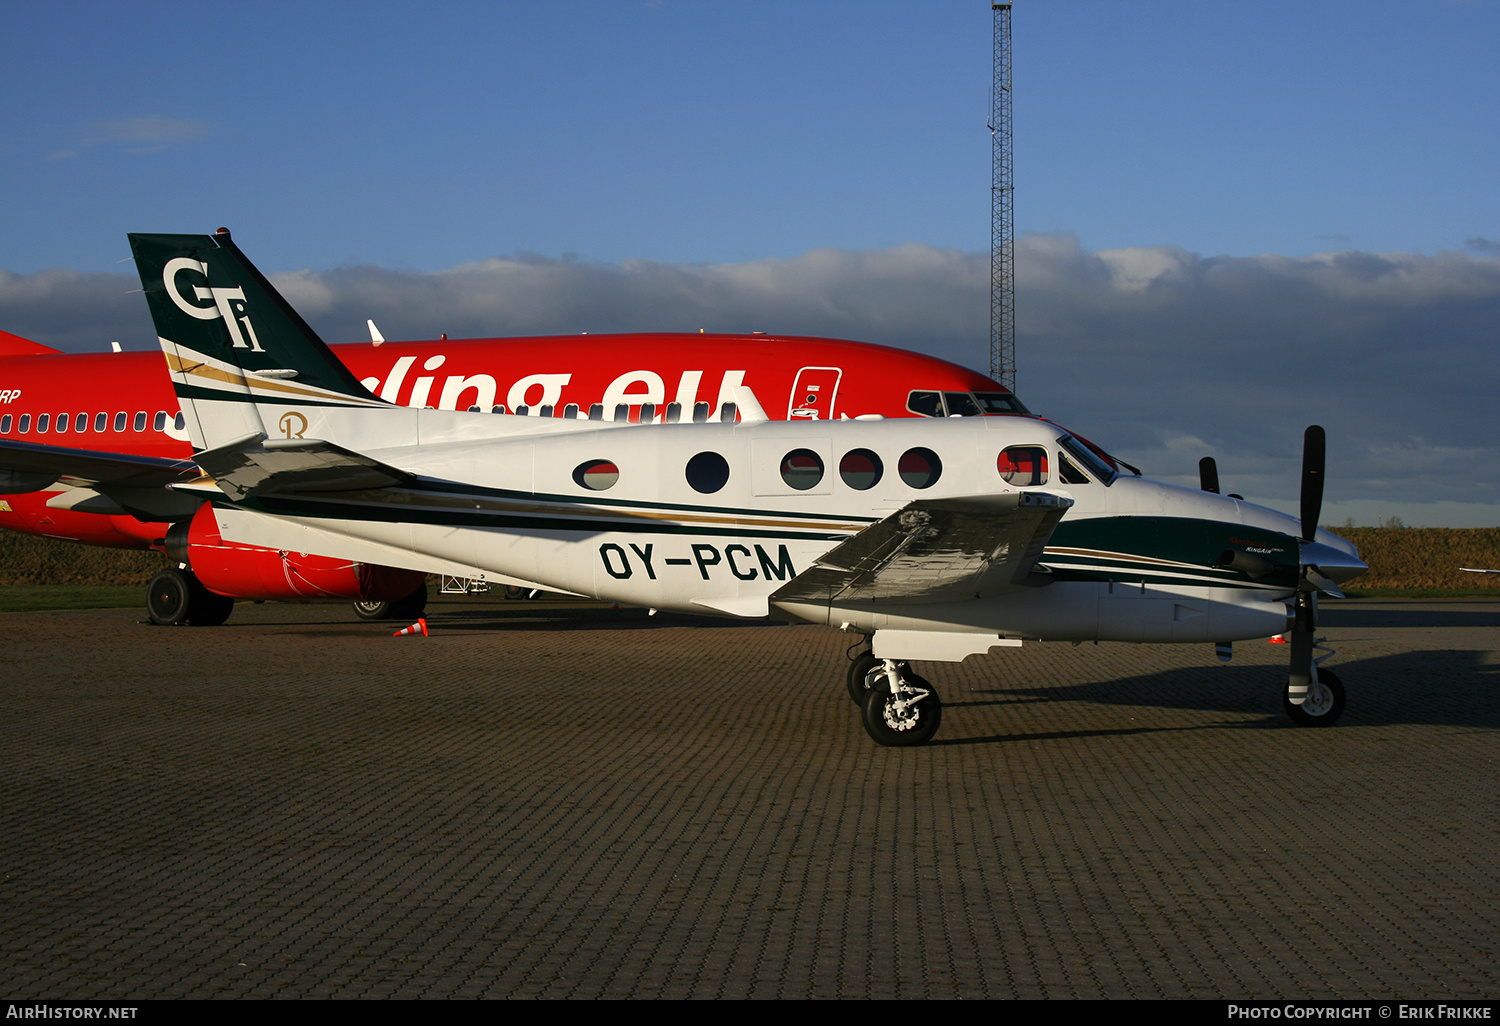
(18, 598)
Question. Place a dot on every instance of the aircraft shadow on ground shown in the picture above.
(579, 618)
(1447, 687)
(1334, 614)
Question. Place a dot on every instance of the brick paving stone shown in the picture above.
(553, 799)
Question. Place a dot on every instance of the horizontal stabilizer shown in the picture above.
(255, 466)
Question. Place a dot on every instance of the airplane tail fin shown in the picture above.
(243, 362)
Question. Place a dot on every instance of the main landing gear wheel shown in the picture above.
(901, 720)
(176, 598)
(1324, 703)
(859, 670)
(408, 608)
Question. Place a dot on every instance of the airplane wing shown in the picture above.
(937, 550)
(258, 466)
(48, 463)
(91, 481)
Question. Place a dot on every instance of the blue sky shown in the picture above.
(1235, 219)
(426, 135)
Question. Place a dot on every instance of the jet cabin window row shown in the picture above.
(1024, 466)
(80, 422)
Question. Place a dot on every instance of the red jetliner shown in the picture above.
(91, 445)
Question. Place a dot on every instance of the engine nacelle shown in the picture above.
(251, 572)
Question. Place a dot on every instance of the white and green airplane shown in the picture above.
(934, 539)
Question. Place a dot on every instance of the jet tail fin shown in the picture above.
(243, 362)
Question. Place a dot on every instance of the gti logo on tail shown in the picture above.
(228, 304)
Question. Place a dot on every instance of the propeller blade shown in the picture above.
(1208, 474)
(1314, 452)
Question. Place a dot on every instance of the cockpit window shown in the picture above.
(962, 404)
(1085, 458)
(1069, 473)
(999, 402)
(925, 404)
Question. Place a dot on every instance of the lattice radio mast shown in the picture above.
(1002, 212)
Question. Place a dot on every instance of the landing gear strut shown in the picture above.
(900, 708)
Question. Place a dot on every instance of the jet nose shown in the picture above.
(1335, 564)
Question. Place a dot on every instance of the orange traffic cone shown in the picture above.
(1278, 639)
(420, 625)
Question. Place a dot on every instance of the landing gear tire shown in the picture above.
(1323, 706)
(370, 609)
(859, 670)
(406, 608)
(176, 598)
(894, 724)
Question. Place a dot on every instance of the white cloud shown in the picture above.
(147, 134)
(1156, 353)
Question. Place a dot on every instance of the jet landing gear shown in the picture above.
(176, 597)
(900, 708)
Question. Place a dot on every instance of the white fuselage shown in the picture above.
(514, 497)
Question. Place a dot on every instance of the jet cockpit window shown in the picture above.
(1085, 458)
(925, 404)
(962, 404)
(999, 402)
(1023, 465)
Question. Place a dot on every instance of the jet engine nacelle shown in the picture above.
(248, 572)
